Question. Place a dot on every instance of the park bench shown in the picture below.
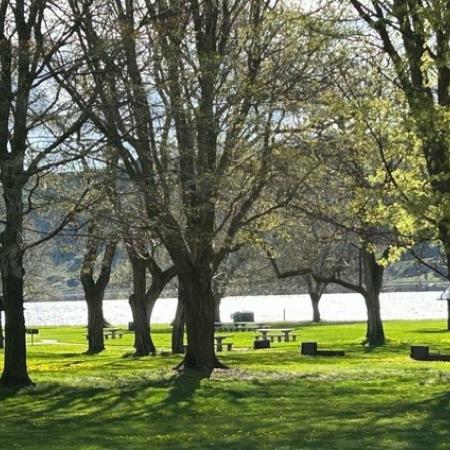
(278, 337)
(422, 353)
(310, 349)
(221, 345)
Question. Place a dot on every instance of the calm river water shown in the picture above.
(334, 307)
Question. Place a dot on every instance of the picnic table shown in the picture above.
(264, 332)
(284, 333)
(113, 333)
(234, 326)
(244, 326)
(219, 343)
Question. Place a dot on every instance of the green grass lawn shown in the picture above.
(270, 399)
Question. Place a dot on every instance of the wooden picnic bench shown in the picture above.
(276, 334)
(220, 344)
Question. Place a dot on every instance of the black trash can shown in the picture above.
(419, 351)
(261, 343)
(309, 348)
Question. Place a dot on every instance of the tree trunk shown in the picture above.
(94, 291)
(218, 289)
(444, 234)
(2, 338)
(178, 325)
(375, 332)
(15, 367)
(217, 299)
(373, 277)
(160, 279)
(315, 306)
(94, 300)
(199, 307)
(315, 290)
(150, 300)
(143, 342)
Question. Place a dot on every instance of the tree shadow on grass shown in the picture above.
(183, 388)
(53, 356)
(437, 420)
(7, 392)
(432, 331)
(233, 414)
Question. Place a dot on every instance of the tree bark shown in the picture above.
(11, 260)
(94, 301)
(375, 332)
(373, 278)
(315, 306)
(15, 371)
(178, 325)
(2, 338)
(94, 291)
(199, 307)
(160, 278)
(315, 291)
(143, 342)
(217, 299)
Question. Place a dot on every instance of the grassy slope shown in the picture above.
(272, 399)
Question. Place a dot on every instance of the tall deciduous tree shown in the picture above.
(37, 125)
(415, 36)
(191, 94)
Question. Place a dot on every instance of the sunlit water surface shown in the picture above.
(267, 308)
